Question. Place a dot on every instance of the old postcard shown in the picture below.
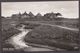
(40, 26)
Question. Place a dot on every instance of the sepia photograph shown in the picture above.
(40, 26)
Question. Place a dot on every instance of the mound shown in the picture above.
(53, 36)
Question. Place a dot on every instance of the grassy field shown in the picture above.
(53, 36)
(70, 24)
(45, 34)
(8, 33)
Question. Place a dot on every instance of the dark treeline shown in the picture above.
(38, 17)
(30, 16)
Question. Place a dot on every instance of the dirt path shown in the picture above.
(17, 40)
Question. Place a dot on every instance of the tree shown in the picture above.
(58, 14)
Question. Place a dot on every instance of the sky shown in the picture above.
(68, 9)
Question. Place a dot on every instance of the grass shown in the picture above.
(45, 34)
(8, 33)
(53, 36)
(70, 24)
